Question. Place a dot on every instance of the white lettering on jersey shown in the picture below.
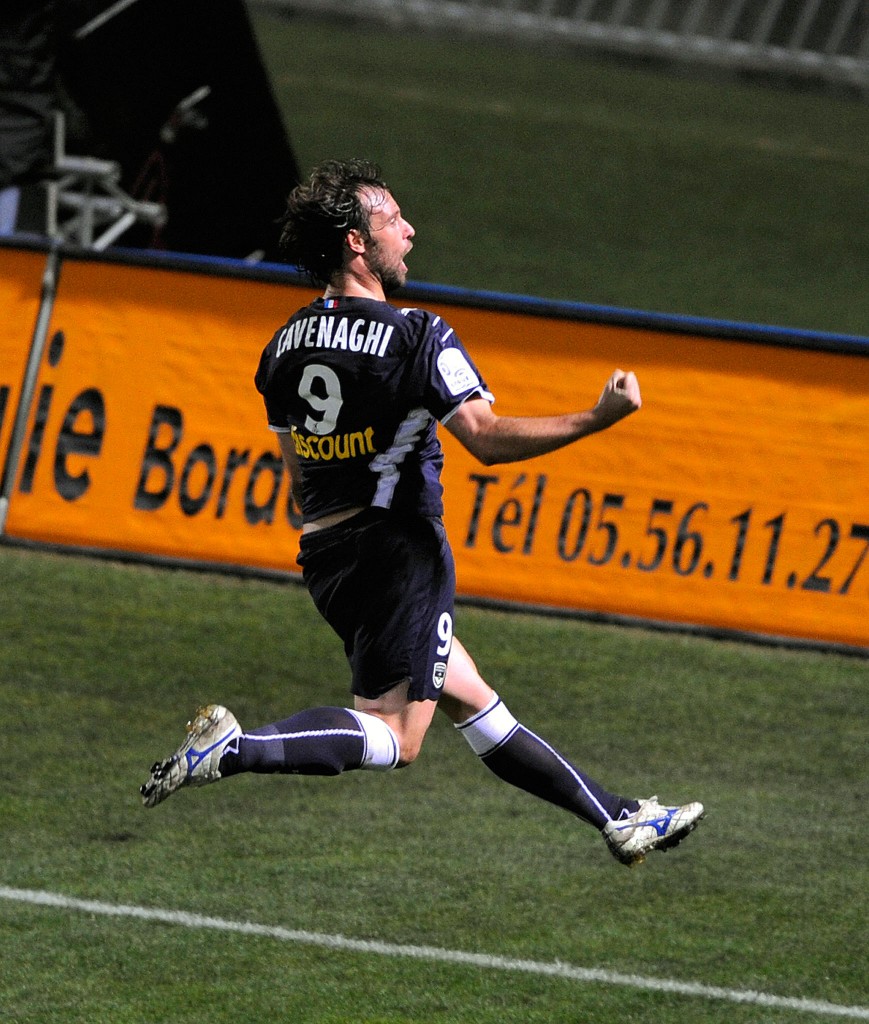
(456, 371)
(355, 340)
(324, 332)
(375, 334)
(364, 336)
(339, 338)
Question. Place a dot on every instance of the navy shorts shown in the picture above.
(386, 585)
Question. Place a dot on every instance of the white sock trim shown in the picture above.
(489, 728)
(381, 744)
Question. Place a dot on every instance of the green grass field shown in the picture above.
(563, 176)
(100, 666)
(449, 897)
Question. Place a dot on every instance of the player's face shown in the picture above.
(389, 242)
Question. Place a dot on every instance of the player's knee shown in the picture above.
(383, 749)
(410, 749)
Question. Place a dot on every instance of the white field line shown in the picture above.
(434, 954)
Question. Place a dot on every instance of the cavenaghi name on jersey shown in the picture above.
(369, 337)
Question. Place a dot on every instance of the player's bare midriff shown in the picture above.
(324, 522)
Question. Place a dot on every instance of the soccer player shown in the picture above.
(354, 389)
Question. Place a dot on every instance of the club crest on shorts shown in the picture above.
(439, 674)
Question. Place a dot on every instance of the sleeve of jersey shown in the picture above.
(275, 412)
(449, 377)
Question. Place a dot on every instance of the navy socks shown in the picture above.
(317, 741)
(524, 760)
(331, 740)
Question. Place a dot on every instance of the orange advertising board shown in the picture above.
(20, 285)
(737, 499)
(147, 434)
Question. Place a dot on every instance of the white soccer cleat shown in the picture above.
(652, 827)
(195, 762)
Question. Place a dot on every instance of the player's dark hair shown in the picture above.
(322, 210)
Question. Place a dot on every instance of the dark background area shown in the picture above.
(221, 172)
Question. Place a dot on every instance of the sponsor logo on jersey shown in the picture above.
(334, 446)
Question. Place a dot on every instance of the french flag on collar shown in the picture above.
(330, 303)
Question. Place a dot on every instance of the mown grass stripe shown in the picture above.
(433, 953)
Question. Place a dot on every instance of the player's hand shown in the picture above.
(619, 398)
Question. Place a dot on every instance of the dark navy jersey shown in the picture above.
(361, 386)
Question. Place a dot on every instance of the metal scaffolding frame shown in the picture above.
(85, 204)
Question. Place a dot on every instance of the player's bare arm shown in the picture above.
(494, 439)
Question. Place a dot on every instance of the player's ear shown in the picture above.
(356, 241)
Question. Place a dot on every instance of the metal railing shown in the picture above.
(822, 39)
